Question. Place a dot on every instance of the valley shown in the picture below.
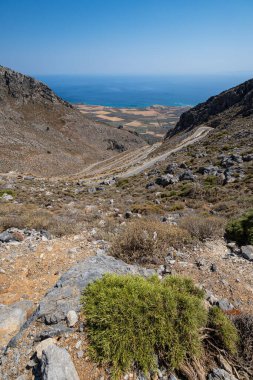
(121, 204)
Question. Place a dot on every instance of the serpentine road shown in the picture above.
(131, 163)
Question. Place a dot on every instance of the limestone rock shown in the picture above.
(247, 252)
(43, 346)
(56, 364)
(65, 295)
(72, 318)
(220, 374)
(12, 318)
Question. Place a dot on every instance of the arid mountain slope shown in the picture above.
(43, 135)
(236, 102)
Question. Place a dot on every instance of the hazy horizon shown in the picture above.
(140, 91)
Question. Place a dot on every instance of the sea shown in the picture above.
(140, 91)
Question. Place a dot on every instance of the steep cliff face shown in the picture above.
(44, 135)
(235, 102)
(22, 89)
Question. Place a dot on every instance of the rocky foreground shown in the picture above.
(59, 234)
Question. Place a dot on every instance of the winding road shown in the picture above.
(131, 163)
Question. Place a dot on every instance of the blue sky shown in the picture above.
(127, 36)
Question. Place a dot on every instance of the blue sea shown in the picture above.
(140, 91)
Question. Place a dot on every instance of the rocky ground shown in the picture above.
(57, 234)
(42, 275)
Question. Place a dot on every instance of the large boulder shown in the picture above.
(209, 170)
(247, 252)
(65, 295)
(56, 364)
(12, 318)
(187, 175)
(166, 180)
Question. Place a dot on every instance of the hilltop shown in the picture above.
(43, 135)
(235, 103)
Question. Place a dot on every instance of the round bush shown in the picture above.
(241, 229)
(133, 321)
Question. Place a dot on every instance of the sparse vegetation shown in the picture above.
(8, 192)
(35, 218)
(147, 209)
(225, 333)
(203, 227)
(241, 229)
(131, 319)
(147, 241)
(244, 325)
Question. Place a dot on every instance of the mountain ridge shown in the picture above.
(44, 135)
(237, 101)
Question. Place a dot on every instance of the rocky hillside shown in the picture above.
(43, 135)
(236, 102)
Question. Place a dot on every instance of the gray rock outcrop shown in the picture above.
(65, 295)
(56, 364)
(220, 374)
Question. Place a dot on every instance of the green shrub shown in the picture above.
(203, 227)
(211, 181)
(147, 241)
(225, 331)
(131, 321)
(7, 191)
(241, 229)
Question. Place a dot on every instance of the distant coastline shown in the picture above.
(139, 91)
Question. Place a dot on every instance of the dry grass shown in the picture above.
(147, 208)
(203, 227)
(31, 217)
(147, 241)
(244, 325)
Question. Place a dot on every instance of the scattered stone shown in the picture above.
(128, 214)
(220, 374)
(65, 295)
(150, 185)
(200, 263)
(7, 197)
(171, 168)
(78, 344)
(231, 245)
(225, 305)
(213, 267)
(209, 170)
(247, 157)
(52, 332)
(6, 237)
(231, 160)
(187, 176)
(56, 364)
(247, 252)
(12, 318)
(72, 318)
(165, 180)
(42, 346)
(212, 299)
(172, 377)
(80, 354)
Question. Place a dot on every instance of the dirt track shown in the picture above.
(135, 162)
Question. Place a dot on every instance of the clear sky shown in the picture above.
(127, 36)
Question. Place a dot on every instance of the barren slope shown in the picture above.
(44, 135)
